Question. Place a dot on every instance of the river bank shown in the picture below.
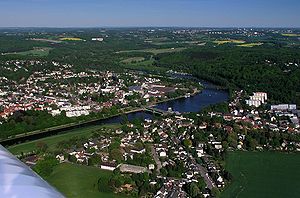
(194, 103)
(19, 138)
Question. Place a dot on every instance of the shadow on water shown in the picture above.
(209, 96)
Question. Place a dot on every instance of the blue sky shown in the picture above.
(196, 13)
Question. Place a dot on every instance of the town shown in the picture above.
(58, 90)
(152, 112)
(180, 155)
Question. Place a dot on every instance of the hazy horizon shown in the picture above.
(121, 27)
(146, 13)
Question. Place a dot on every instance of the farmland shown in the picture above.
(263, 174)
(78, 181)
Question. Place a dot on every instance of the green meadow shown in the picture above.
(78, 181)
(263, 175)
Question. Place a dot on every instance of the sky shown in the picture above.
(141, 13)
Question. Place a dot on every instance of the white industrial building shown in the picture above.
(257, 99)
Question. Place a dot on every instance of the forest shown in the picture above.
(255, 69)
(272, 67)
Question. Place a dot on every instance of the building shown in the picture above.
(127, 168)
(261, 95)
(284, 107)
(108, 166)
(257, 99)
(98, 39)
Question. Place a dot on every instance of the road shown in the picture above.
(204, 174)
(156, 159)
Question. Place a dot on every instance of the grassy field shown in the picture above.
(179, 42)
(132, 60)
(70, 39)
(40, 52)
(291, 35)
(77, 181)
(221, 42)
(250, 44)
(155, 51)
(263, 174)
(53, 140)
(146, 65)
(46, 40)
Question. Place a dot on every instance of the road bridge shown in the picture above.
(158, 111)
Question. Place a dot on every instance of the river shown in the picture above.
(210, 95)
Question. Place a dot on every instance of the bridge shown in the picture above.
(158, 111)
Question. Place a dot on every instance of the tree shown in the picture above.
(115, 144)
(116, 154)
(187, 143)
(192, 189)
(42, 146)
(72, 158)
(45, 167)
(228, 176)
(94, 160)
(1, 108)
(201, 184)
(232, 140)
(225, 145)
(215, 192)
(253, 144)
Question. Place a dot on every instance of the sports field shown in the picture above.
(263, 175)
(78, 181)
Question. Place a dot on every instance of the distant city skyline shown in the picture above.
(156, 13)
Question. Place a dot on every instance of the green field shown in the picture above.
(77, 181)
(53, 140)
(145, 65)
(250, 44)
(221, 42)
(291, 35)
(263, 174)
(155, 51)
(70, 39)
(40, 52)
(133, 60)
(179, 42)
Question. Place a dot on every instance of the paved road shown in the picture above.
(156, 159)
(203, 173)
(207, 179)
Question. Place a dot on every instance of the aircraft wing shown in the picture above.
(18, 181)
